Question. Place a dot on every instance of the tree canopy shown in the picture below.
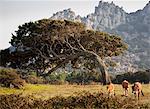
(46, 45)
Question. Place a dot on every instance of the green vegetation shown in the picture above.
(47, 45)
(12, 77)
(140, 76)
(74, 78)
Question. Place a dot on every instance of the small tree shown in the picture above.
(47, 45)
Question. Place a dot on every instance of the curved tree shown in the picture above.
(51, 44)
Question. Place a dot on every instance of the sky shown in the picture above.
(16, 12)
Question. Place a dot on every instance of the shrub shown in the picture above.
(10, 78)
(34, 79)
(57, 78)
(141, 76)
(81, 101)
(84, 77)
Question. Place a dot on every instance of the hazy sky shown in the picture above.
(17, 12)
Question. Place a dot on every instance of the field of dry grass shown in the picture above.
(46, 91)
(70, 97)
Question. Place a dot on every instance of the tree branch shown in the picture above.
(57, 56)
(71, 57)
(81, 46)
(72, 48)
(45, 57)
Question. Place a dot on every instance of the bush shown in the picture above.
(141, 76)
(83, 77)
(32, 79)
(81, 101)
(57, 78)
(74, 78)
(10, 78)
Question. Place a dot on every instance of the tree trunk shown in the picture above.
(105, 77)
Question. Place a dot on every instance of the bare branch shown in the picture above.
(81, 46)
(72, 48)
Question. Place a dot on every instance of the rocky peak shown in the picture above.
(147, 8)
(107, 7)
(109, 15)
(66, 14)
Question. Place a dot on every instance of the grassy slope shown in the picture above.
(46, 91)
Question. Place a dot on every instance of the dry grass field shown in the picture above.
(47, 91)
(71, 97)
